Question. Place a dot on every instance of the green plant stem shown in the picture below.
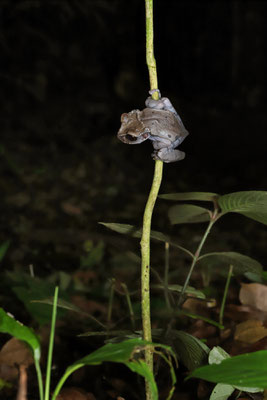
(129, 303)
(110, 301)
(51, 345)
(194, 261)
(145, 255)
(230, 271)
(166, 275)
(150, 58)
(145, 239)
(39, 379)
(63, 379)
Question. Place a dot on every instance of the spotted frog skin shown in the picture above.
(158, 122)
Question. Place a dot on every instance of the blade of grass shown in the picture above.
(51, 345)
(225, 294)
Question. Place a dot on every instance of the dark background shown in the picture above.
(70, 68)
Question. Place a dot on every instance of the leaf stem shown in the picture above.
(230, 271)
(51, 345)
(129, 303)
(39, 378)
(166, 275)
(63, 379)
(195, 259)
(110, 301)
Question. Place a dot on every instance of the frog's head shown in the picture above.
(133, 130)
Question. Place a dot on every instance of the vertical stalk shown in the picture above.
(225, 294)
(51, 345)
(110, 301)
(129, 303)
(166, 275)
(194, 261)
(150, 58)
(145, 240)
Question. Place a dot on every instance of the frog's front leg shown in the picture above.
(168, 155)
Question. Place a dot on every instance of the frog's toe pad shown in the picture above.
(168, 155)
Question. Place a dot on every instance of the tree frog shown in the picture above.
(158, 122)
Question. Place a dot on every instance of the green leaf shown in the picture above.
(188, 213)
(178, 288)
(69, 306)
(94, 256)
(16, 329)
(135, 232)
(240, 262)
(201, 196)
(117, 352)
(202, 318)
(141, 368)
(252, 204)
(221, 392)
(190, 350)
(28, 289)
(3, 249)
(247, 370)
(216, 356)
(123, 352)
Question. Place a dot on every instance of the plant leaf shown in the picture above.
(217, 354)
(69, 306)
(117, 352)
(178, 288)
(122, 352)
(221, 392)
(188, 213)
(190, 350)
(201, 196)
(16, 329)
(246, 370)
(240, 262)
(141, 368)
(134, 232)
(252, 204)
(3, 249)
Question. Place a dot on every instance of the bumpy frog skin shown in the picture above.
(160, 123)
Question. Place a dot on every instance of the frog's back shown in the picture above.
(162, 122)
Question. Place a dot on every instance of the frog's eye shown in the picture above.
(124, 117)
(130, 138)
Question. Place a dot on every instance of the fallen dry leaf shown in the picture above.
(74, 394)
(254, 294)
(196, 306)
(250, 331)
(239, 313)
(70, 209)
(89, 306)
